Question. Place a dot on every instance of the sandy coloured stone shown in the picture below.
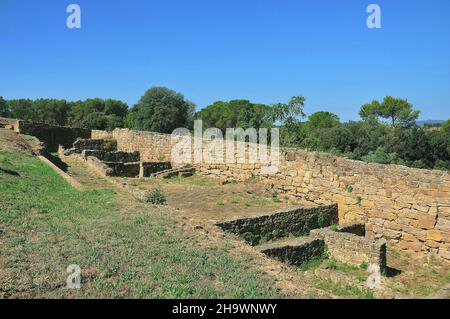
(435, 235)
(426, 222)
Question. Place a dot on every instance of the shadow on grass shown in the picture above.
(56, 160)
(392, 272)
(9, 172)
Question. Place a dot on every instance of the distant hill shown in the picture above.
(429, 122)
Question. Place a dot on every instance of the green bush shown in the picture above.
(156, 197)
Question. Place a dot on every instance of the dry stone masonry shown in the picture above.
(408, 207)
(352, 248)
(294, 251)
(281, 224)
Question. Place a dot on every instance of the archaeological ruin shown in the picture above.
(371, 204)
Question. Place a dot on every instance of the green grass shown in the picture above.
(125, 249)
(344, 290)
(275, 198)
(357, 272)
(315, 262)
(311, 264)
(193, 180)
(234, 201)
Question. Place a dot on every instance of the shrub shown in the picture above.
(364, 266)
(156, 197)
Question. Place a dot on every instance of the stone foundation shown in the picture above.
(52, 136)
(150, 168)
(294, 252)
(352, 249)
(115, 156)
(255, 230)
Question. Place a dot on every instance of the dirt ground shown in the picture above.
(10, 140)
(205, 198)
(84, 174)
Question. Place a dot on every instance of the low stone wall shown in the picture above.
(9, 123)
(53, 136)
(295, 252)
(123, 169)
(149, 168)
(152, 146)
(255, 230)
(352, 228)
(352, 249)
(106, 145)
(115, 156)
(114, 168)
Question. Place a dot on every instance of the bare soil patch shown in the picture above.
(10, 140)
(205, 198)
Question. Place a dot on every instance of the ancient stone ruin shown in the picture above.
(306, 233)
(102, 154)
(408, 207)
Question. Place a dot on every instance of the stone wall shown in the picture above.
(115, 156)
(152, 146)
(352, 249)
(296, 222)
(52, 136)
(295, 252)
(409, 207)
(8, 123)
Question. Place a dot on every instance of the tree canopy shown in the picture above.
(322, 119)
(288, 113)
(235, 113)
(162, 110)
(3, 107)
(399, 112)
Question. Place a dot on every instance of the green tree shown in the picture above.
(320, 120)
(80, 112)
(4, 109)
(162, 110)
(288, 113)
(50, 111)
(399, 112)
(113, 121)
(235, 113)
(130, 119)
(445, 127)
(21, 109)
(115, 107)
(94, 120)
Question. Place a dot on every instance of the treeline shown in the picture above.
(91, 113)
(387, 132)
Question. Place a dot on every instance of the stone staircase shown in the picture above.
(180, 172)
(300, 235)
(103, 155)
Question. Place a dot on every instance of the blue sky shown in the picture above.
(264, 51)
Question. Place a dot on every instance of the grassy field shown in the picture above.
(125, 249)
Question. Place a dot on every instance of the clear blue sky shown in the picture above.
(264, 51)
